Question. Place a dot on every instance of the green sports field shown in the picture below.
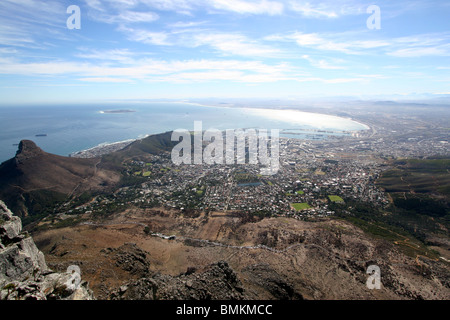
(300, 206)
(335, 198)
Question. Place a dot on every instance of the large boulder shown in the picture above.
(10, 226)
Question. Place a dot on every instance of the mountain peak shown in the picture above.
(28, 149)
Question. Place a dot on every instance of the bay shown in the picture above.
(71, 128)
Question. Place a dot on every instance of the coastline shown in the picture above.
(263, 109)
(304, 117)
(102, 149)
(295, 116)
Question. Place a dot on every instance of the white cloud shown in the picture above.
(234, 44)
(134, 16)
(370, 44)
(342, 80)
(189, 24)
(156, 38)
(317, 41)
(327, 8)
(105, 80)
(125, 17)
(33, 11)
(337, 42)
(421, 45)
(421, 52)
(176, 71)
(308, 10)
(23, 22)
(310, 39)
(249, 7)
(324, 64)
(180, 6)
(146, 36)
(412, 46)
(16, 37)
(119, 55)
(40, 68)
(222, 43)
(155, 70)
(187, 7)
(95, 4)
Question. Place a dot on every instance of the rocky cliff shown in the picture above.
(23, 270)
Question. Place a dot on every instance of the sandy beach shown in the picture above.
(102, 149)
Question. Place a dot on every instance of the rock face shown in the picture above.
(27, 150)
(265, 277)
(129, 257)
(23, 271)
(217, 282)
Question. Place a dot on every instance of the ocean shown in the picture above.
(64, 129)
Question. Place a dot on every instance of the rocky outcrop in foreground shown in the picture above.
(24, 273)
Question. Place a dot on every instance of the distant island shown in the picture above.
(41, 135)
(118, 111)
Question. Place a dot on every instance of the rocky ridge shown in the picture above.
(217, 282)
(24, 274)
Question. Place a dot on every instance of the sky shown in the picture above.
(183, 49)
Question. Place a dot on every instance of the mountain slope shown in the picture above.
(34, 181)
(34, 178)
(152, 145)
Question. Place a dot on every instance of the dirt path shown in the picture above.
(405, 241)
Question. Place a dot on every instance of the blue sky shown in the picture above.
(181, 49)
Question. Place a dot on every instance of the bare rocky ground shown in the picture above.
(225, 256)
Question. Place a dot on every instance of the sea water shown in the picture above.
(71, 128)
